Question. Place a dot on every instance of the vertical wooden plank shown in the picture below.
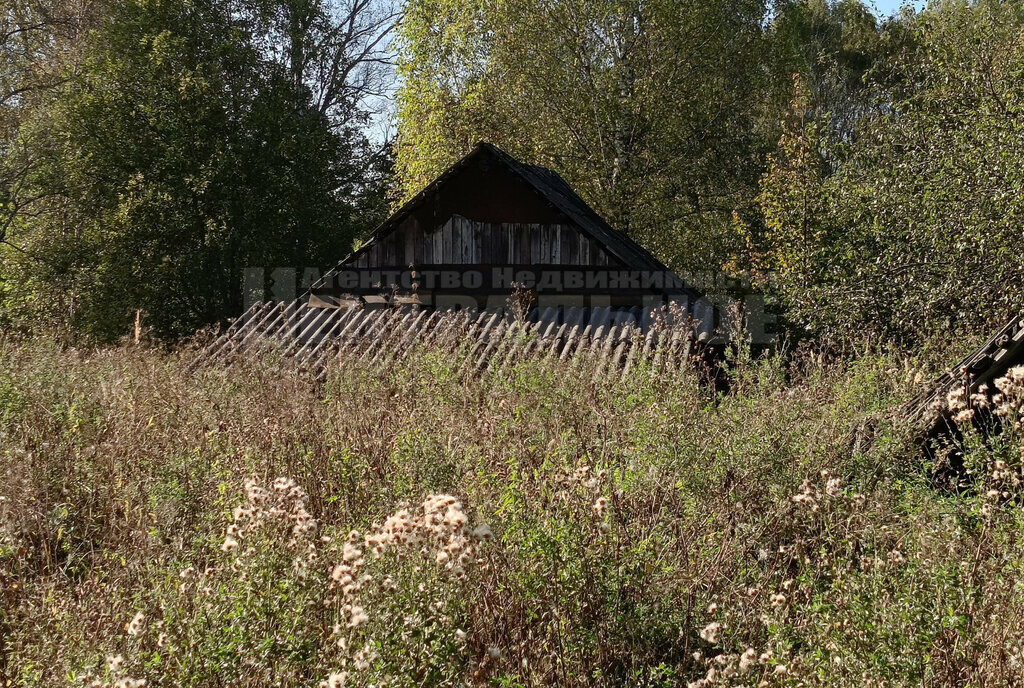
(484, 239)
(485, 231)
(584, 255)
(478, 242)
(456, 240)
(446, 242)
(437, 238)
(417, 247)
(556, 244)
(466, 241)
(499, 253)
(458, 244)
(567, 239)
(466, 237)
(410, 241)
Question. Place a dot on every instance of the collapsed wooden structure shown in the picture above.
(502, 254)
(969, 379)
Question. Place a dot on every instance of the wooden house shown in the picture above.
(491, 224)
(490, 232)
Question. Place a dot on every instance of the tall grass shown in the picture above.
(405, 524)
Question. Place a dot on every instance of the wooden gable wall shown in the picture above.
(461, 241)
(482, 214)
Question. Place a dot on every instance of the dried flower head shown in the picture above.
(114, 664)
(711, 632)
(135, 626)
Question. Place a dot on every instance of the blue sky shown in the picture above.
(883, 8)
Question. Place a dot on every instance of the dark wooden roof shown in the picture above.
(550, 186)
(558, 192)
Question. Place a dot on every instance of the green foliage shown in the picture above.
(840, 50)
(792, 207)
(176, 153)
(650, 111)
(914, 226)
(628, 519)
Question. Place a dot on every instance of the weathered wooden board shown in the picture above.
(1002, 351)
(460, 241)
(613, 339)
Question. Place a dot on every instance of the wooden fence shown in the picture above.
(612, 339)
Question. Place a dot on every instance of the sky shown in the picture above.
(883, 8)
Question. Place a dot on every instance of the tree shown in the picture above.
(921, 213)
(649, 109)
(791, 200)
(38, 39)
(178, 155)
(839, 49)
(187, 141)
(337, 50)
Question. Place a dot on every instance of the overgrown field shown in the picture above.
(402, 525)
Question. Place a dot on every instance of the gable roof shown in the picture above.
(558, 192)
(550, 186)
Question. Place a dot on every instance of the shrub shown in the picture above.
(530, 525)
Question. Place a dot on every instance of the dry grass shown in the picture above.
(524, 527)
